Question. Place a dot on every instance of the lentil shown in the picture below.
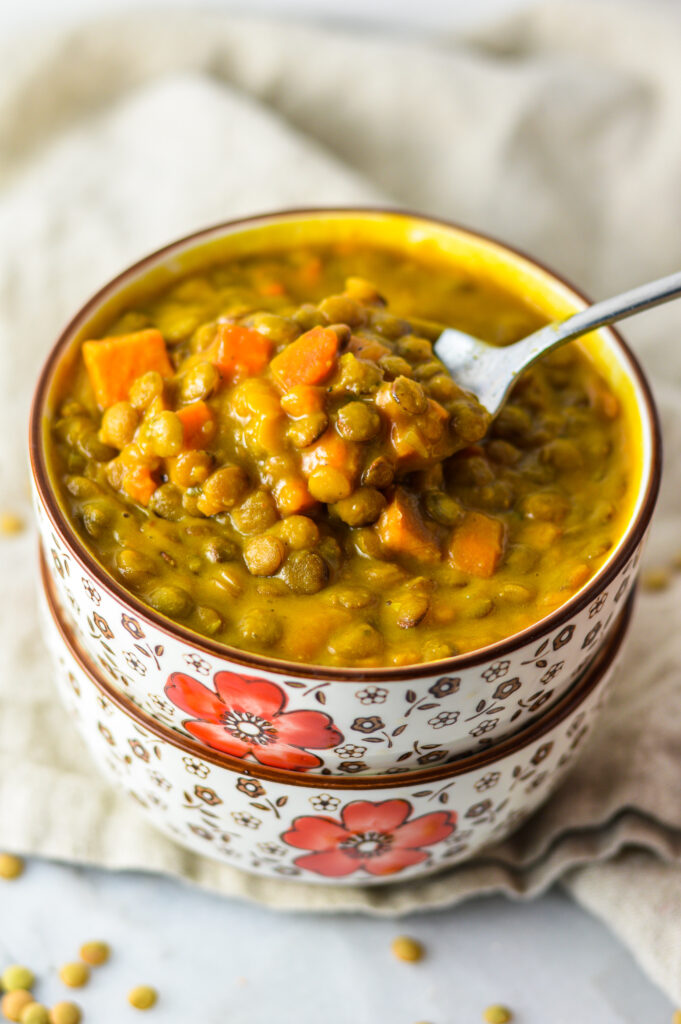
(14, 1002)
(35, 1013)
(497, 1015)
(65, 1013)
(95, 953)
(75, 975)
(11, 867)
(17, 976)
(143, 997)
(406, 948)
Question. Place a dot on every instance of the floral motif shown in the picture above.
(477, 810)
(541, 753)
(352, 767)
(272, 849)
(486, 726)
(91, 591)
(251, 787)
(208, 795)
(102, 625)
(160, 781)
(431, 757)
(590, 637)
(552, 672)
(195, 767)
(246, 820)
(324, 802)
(202, 833)
(443, 718)
(445, 686)
(135, 664)
(133, 627)
(198, 663)
(496, 671)
(106, 733)
(564, 637)
(138, 750)
(487, 781)
(505, 689)
(350, 750)
(372, 695)
(368, 724)
(377, 838)
(598, 605)
(246, 717)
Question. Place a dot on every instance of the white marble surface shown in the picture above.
(216, 961)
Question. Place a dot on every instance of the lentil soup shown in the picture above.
(271, 444)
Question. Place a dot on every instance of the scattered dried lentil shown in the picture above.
(142, 997)
(17, 976)
(65, 1013)
(676, 1017)
(497, 1014)
(75, 975)
(14, 1002)
(406, 948)
(656, 579)
(10, 866)
(95, 953)
(35, 1013)
(9, 523)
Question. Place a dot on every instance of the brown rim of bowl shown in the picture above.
(535, 631)
(515, 743)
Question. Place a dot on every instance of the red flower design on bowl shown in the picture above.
(377, 838)
(246, 717)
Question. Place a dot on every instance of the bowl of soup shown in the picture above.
(278, 525)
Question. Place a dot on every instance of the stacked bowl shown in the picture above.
(331, 774)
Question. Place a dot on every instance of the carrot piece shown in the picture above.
(402, 531)
(303, 400)
(292, 496)
(367, 348)
(307, 360)
(331, 450)
(139, 484)
(477, 544)
(241, 351)
(198, 424)
(114, 363)
(272, 288)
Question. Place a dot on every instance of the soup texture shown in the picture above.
(270, 453)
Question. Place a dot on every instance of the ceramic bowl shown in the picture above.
(324, 828)
(360, 720)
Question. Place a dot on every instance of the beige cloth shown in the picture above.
(558, 131)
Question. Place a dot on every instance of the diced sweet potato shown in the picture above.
(403, 531)
(198, 425)
(477, 544)
(114, 363)
(307, 360)
(241, 351)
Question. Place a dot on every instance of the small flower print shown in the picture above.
(209, 796)
(445, 686)
(577, 723)
(352, 767)
(162, 706)
(443, 719)
(598, 605)
(57, 563)
(198, 663)
(106, 733)
(91, 591)
(246, 717)
(372, 695)
(202, 833)
(102, 625)
(246, 820)
(496, 671)
(135, 664)
(537, 781)
(350, 750)
(459, 836)
(324, 802)
(552, 672)
(286, 869)
(540, 700)
(74, 684)
(138, 750)
(542, 753)
(477, 810)
(195, 767)
(564, 637)
(590, 637)
(250, 787)
(133, 627)
(505, 689)
(486, 726)
(431, 757)
(377, 838)
(487, 781)
(160, 781)
(272, 849)
(368, 724)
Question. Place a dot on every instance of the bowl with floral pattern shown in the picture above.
(325, 719)
(323, 828)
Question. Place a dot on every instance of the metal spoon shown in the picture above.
(489, 372)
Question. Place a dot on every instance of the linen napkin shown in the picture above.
(556, 130)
